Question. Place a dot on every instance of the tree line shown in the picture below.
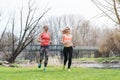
(84, 34)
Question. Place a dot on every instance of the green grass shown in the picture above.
(57, 73)
(98, 59)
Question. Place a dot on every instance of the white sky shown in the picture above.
(58, 7)
(84, 8)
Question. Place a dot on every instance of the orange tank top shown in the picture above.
(45, 37)
(67, 37)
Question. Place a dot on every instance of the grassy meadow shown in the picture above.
(57, 73)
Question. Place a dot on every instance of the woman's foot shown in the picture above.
(44, 69)
(39, 65)
(68, 69)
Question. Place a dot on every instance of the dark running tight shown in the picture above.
(44, 53)
(67, 51)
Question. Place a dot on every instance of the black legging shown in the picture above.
(67, 51)
(44, 53)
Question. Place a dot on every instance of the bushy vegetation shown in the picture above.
(99, 60)
(110, 43)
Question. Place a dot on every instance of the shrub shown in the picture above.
(110, 43)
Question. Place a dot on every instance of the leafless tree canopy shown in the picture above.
(27, 32)
(110, 41)
(83, 33)
(110, 8)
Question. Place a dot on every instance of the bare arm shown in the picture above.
(50, 40)
(72, 41)
(62, 40)
(39, 38)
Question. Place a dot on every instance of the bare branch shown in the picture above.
(27, 35)
(13, 25)
(21, 23)
(116, 12)
(4, 31)
(104, 12)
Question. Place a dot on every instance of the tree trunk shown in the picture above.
(11, 59)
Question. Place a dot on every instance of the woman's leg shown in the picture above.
(70, 57)
(41, 56)
(42, 50)
(65, 52)
(46, 56)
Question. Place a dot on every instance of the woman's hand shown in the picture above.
(50, 42)
(41, 41)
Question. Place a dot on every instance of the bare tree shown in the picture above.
(110, 8)
(5, 44)
(57, 24)
(27, 32)
(80, 28)
(81, 34)
(110, 41)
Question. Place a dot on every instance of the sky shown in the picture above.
(58, 7)
(84, 8)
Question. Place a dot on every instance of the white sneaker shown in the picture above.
(68, 69)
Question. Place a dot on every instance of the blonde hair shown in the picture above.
(64, 31)
(45, 26)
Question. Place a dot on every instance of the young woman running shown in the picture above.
(44, 40)
(68, 47)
